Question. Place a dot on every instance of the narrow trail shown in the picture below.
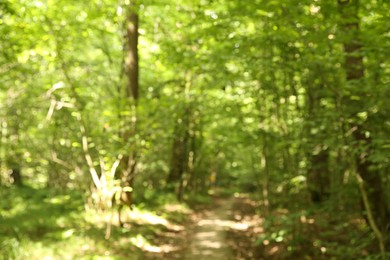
(221, 230)
(208, 237)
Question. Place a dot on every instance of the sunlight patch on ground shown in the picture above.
(135, 215)
(211, 244)
(304, 219)
(240, 226)
(226, 224)
(239, 195)
(179, 208)
(142, 243)
(206, 234)
(72, 247)
(168, 248)
(146, 217)
(273, 250)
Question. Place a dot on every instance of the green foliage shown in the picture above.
(255, 92)
(39, 223)
(198, 198)
(308, 233)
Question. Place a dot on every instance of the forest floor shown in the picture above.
(207, 237)
(224, 229)
(42, 224)
(234, 227)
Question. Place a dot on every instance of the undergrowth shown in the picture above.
(49, 224)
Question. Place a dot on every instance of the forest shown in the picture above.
(194, 129)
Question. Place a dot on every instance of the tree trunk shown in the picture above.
(180, 154)
(181, 143)
(13, 155)
(354, 68)
(265, 179)
(129, 161)
(15, 172)
(318, 175)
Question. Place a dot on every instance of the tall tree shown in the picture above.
(356, 102)
(129, 161)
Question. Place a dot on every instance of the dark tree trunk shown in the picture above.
(132, 68)
(178, 160)
(129, 161)
(319, 176)
(15, 169)
(354, 68)
(180, 155)
(16, 176)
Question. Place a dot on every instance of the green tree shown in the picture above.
(357, 106)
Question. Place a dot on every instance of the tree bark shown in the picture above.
(129, 161)
(180, 154)
(265, 178)
(132, 68)
(15, 173)
(354, 69)
(318, 174)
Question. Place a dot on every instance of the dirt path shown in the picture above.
(208, 237)
(221, 230)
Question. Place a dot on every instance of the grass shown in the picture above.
(47, 224)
